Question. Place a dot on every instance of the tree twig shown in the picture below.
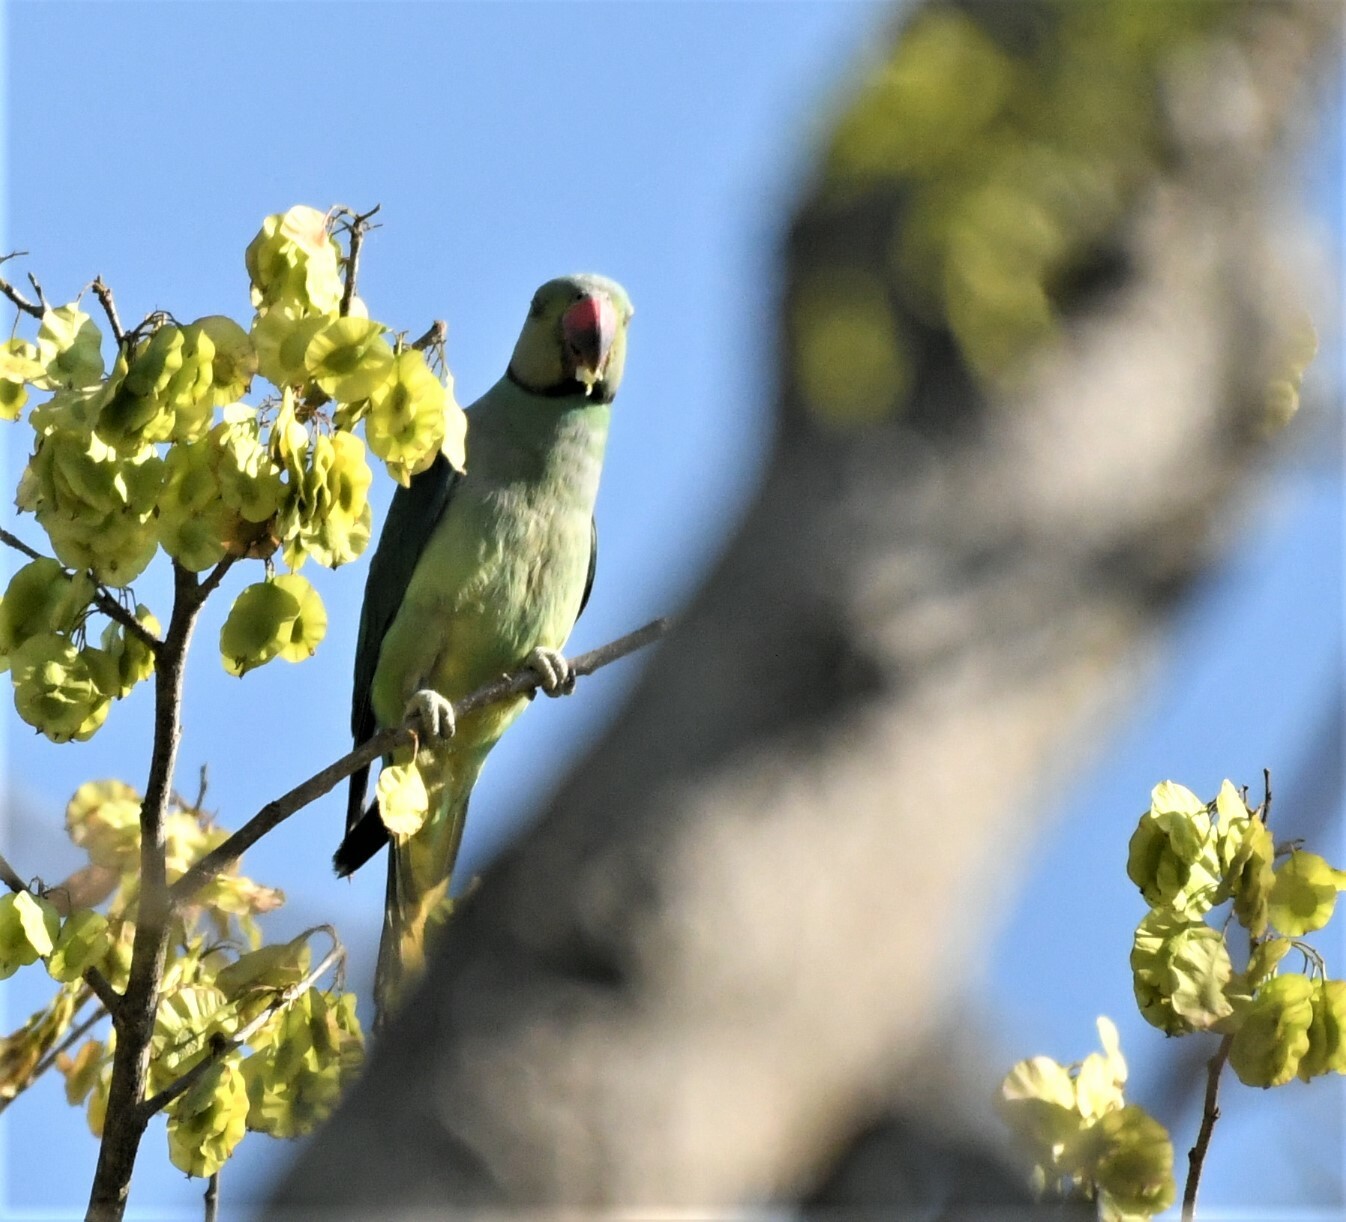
(41, 296)
(357, 225)
(222, 1047)
(212, 1198)
(437, 333)
(385, 743)
(19, 300)
(1210, 1113)
(104, 295)
(9, 876)
(101, 987)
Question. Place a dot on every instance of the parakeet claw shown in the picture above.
(558, 676)
(432, 715)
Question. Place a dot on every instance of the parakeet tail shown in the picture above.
(420, 869)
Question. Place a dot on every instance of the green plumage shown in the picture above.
(475, 571)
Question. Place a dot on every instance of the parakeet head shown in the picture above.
(574, 339)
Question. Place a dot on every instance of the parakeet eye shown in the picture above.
(535, 306)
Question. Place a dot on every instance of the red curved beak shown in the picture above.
(587, 329)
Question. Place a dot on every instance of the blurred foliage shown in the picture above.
(1002, 145)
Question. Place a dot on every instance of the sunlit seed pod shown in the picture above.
(81, 1070)
(19, 360)
(54, 689)
(29, 926)
(407, 417)
(208, 1121)
(280, 340)
(257, 626)
(18, 366)
(234, 359)
(83, 943)
(349, 358)
(249, 479)
(42, 597)
(302, 635)
(69, 347)
(1273, 1032)
(294, 261)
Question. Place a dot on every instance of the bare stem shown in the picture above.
(10, 877)
(386, 742)
(1210, 1113)
(134, 1017)
(357, 225)
(28, 307)
(212, 1198)
(104, 295)
(435, 335)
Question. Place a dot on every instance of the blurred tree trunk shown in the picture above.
(744, 923)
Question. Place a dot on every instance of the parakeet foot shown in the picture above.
(558, 676)
(431, 715)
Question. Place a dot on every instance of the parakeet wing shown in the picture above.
(411, 520)
(593, 567)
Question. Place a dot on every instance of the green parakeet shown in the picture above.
(475, 575)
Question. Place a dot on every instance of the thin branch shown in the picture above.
(41, 296)
(222, 1047)
(101, 987)
(9, 876)
(107, 603)
(22, 302)
(386, 742)
(1264, 811)
(104, 295)
(1210, 1113)
(212, 1198)
(435, 336)
(213, 578)
(357, 225)
(19, 545)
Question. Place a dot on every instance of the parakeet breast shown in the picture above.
(505, 570)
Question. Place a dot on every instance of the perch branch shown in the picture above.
(385, 743)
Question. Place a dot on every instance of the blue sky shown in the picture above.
(659, 143)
